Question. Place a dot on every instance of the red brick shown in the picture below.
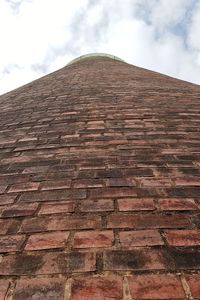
(5, 225)
(115, 192)
(56, 222)
(193, 281)
(39, 288)
(58, 184)
(11, 243)
(148, 221)
(3, 188)
(4, 284)
(134, 204)
(96, 205)
(7, 199)
(47, 240)
(140, 238)
(177, 204)
(137, 259)
(117, 182)
(183, 238)
(87, 183)
(189, 181)
(20, 210)
(47, 263)
(151, 182)
(161, 286)
(93, 239)
(97, 288)
(22, 187)
(56, 208)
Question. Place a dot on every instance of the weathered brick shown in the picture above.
(11, 243)
(7, 199)
(19, 210)
(152, 182)
(90, 239)
(58, 184)
(193, 281)
(117, 182)
(140, 259)
(47, 240)
(5, 225)
(35, 169)
(161, 286)
(97, 288)
(56, 208)
(113, 192)
(177, 204)
(39, 288)
(22, 187)
(188, 181)
(4, 284)
(56, 222)
(96, 205)
(148, 221)
(67, 194)
(48, 263)
(87, 183)
(140, 238)
(183, 238)
(134, 204)
(3, 188)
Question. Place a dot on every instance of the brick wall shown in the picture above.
(99, 186)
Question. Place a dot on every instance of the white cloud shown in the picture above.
(39, 36)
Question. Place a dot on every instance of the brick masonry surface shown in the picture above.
(100, 186)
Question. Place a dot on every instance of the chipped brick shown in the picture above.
(177, 204)
(4, 284)
(22, 187)
(58, 184)
(193, 282)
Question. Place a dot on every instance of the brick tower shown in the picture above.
(99, 185)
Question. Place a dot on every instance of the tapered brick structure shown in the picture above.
(99, 185)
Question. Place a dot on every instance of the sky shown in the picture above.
(38, 37)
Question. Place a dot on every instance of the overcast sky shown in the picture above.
(40, 36)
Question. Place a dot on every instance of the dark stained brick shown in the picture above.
(67, 194)
(11, 243)
(144, 259)
(49, 263)
(39, 288)
(113, 192)
(186, 259)
(19, 210)
(96, 205)
(56, 222)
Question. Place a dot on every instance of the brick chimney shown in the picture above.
(99, 185)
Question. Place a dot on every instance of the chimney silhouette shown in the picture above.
(99, 185)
